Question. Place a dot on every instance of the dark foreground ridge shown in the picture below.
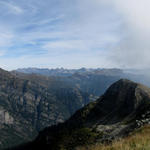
(124, 107)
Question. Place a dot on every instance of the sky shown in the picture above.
(74, 33)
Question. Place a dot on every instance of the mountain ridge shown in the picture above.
(69, 72)
(99, 121)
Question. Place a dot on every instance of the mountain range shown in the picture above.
(137, 75)
(68, 72)
(30, 102)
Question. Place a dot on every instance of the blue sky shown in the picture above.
(73, 33)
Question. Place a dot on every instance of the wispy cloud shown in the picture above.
(11, 8)
(5, 38)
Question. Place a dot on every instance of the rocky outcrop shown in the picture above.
(5, 117)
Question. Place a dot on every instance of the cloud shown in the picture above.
(133, 51)
(58, 30)
(5, 38)
(12, 8)
(69, 60)
(15, 9)
(98, 33)
(67, 45)
(2, 53)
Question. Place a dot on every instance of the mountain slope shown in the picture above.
(124, 107)
(138, 140)
(27, 107)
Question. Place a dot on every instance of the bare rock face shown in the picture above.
(5, 117)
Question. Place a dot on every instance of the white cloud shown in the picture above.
(67, 45)
(134, 48)
(2, 53)
(67, 60)
(6, 38)
(13, 8)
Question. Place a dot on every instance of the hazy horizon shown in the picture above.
(136, 71)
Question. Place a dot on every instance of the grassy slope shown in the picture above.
(139, 140)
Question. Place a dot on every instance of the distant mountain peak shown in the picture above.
(69, 72)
